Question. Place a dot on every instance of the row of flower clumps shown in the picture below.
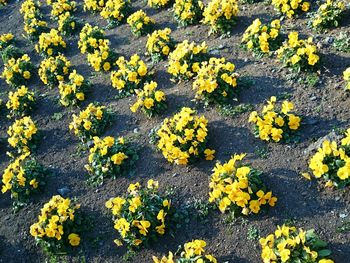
(219, 15)
(23, 175)
(145, 214)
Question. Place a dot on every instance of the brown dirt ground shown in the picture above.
(324, 108)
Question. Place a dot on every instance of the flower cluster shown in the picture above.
(23, 177)
(298, 54)
(91, 38)
(67, 24)
(221, 15)
(130, 75)
(275, 124)
(332, 162)
(116, 11)
(102, 57)
(58, 226)
(53, 70)
(183, 138)
(18, 71)
(90, 122)
(346, 76)
(93, 41)
(215, 81)
(193, 251)
(238, 188)
(60, 7)
(151, 101)
(328, 15)
(34, 26)
(140, 23)
(158, 3)
(50, 44)
(184, 61)
(109, 157)
(160, 44)
(6, 40)
(20, 102)
(291, 7)
(142, 215)
(188, 12)
(73, 91)
(94, 5)
(288, 244)
(261, 38)
(3, 2)
(22, 134)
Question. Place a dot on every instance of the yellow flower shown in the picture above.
(74, 239)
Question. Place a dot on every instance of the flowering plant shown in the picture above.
(110, 157)
(102, 58)
(193, 251)
(160, 44)
(142, 215)
(90, 38)
(158, 3)
(67, 24)
(216, 81)
(90, 122)
(288, 244)
(33, 25)
(73, 91)
(140, 23)
(115, 11)
(60, 7)
(50, 44)
(53, 70)
(3, 2)
(297, 54)
(238, 188)
(183, 138)
(18, 71)
(150, 100)
(185, 59)
(130, 76)
(23, 177)
(261, 38)
(346, 76)
(94, 5)
(291, 7)
(188, 12)
(275, 124)
(328, 15)
(6, 40)
(332, 162)
(220, 15)
(20, 102)
(59, 225)
(22, 134)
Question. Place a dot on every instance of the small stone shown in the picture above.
(329, 40)
(136, 130)
(246, 60)
(343, 215)
(63, 191)
(313, 98)
(175, 174)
